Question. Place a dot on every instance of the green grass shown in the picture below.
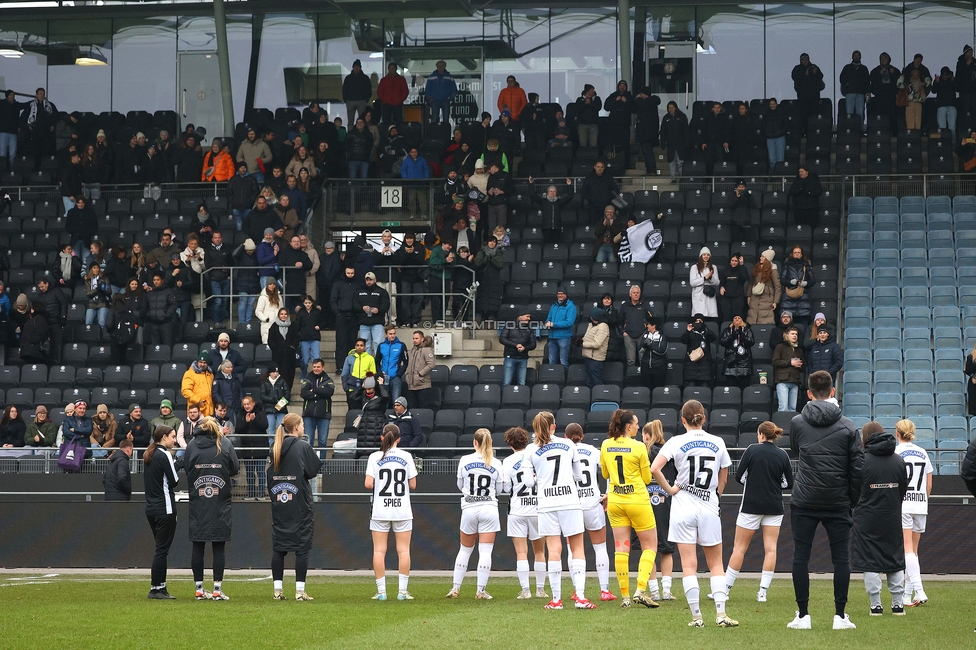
(107, 612)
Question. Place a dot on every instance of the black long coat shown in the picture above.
(292, 517)
(736, 364)
(208, 474)
(876, 541)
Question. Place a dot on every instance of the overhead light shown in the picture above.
(90, 55)
(11, 50)
(376, 55)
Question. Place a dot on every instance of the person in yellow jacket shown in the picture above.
(595, 342)
(357, 365)
(197, 385)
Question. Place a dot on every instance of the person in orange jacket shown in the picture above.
(512, 98)
(392, 92)
(218, 165)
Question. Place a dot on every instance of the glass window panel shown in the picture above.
(938, 32)
(80, 87)
(29, 72)
(288, 52)
(731, 43)
(526, 32)
(583, 51)
(790, 31)
(144, 46)
(872, 29)
(197, 34)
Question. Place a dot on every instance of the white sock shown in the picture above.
(766, 580)
(540, 575)
(199, 585)
(690, 585)
(522, 568)
(653, 589)
(666, 584)
(578, 570)
(461, 565)
(602, 565)
(484, 565)
(730, 576)
(381, 585)
(555, 579)
(299, 586)
(913, 575)
(717, 584)
(402, 581)
(216, 586)
(277, 585)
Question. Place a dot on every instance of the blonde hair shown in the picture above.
(482, 440)
(209, 425)
(654, 429)
(693, 413)
(905, 430)
(542, 425)
(287, 427)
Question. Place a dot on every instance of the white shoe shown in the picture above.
(843, 623)
(482, 595)
(667, 595)
(541, 593)
(453, 593)
(800, 622)
(525, 594)
(761, 597)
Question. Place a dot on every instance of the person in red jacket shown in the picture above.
(392, 92)
(512, 98)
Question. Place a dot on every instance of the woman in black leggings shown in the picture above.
(293, 464)
(210, 462)
(160, 481)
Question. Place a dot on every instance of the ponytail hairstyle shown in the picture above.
(391, 433)
(655, 431)
(209, 427)
(517, 438)
(618, 423)
(542, 425)
(287, 427)
(905, 430)
(482, 441)
(693, 413)
(574, 432)
(770, 431)
(161, 432)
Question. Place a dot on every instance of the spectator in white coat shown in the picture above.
(704, 281)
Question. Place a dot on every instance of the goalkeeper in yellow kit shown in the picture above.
(626, 467)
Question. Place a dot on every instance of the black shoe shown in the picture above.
(879, 610)
(898, 610)
(160, 594)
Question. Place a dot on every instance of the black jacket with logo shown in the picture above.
(160, 478)
(374, 296)
(208, 473)
(292, 517)
(875, 540)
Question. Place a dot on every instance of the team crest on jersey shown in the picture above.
(209, 486)
(284, 492)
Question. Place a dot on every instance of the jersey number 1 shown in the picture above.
(702, 477)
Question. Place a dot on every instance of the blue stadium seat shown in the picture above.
(888, 405)
(885, 204)
(912, 203)
(954, 428)
(950, 404)
(862, 205)
(919, 405)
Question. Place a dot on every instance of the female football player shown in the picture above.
(523, 514)
(914, 508)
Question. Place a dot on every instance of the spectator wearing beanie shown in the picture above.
(588, 106)
(357, 90)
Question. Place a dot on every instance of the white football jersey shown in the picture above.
(588, 489)
(557, 473)
(698, 456)
(391, 484)
(479, 483)
(919, 466)
(520, 484)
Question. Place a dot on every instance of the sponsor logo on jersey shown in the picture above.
(619, 450)
(518, 465)
(883, 486)
(699, 444)
(473, 466)
(583, 451)
(392, 459)
(552, 446)
(209, 486)
(284, 492)
(477, 499)
(914, 453)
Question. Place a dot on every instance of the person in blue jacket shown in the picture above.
(413, 166)
(560, 323)
(391, 359)
(439, 92)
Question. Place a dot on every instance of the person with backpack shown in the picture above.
(122, 327)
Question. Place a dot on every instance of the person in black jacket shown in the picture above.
(551, 205)
(374, 396)
(55, 302)
(210, 462)
(294, 263)
(807, 82)
(371, 302)
(82, 224)
(732, 290)
(737, 340)
(855, 85)
(653, 351)
(945, 86)
(411, 259)
(342, 301)
(598, 190)
(317, 391)
(715, 137)
(588, 106)
(745, 137)
(135, 428)
(876, 544)
(308, 322)
(518, 341)
(966, 80)
(35, 337)
(188, 159)
(117, 479)
(293, 465)
(283, 341)
(648, 124)
(674, 138)
(698, 371)
(620, 105)
(160, 478)
(805, 197)
(252, 432)
(827, 486)
(411, 433)
(765, 471)
(241, 190)
(740, 205)
(246, 281)
(161, 304)
(774, 130)
(884, 91)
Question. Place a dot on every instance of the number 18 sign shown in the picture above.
(392, 197)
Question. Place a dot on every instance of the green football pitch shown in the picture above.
(43, 611)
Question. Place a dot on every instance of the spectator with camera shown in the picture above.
(698, 339)
(737, 339)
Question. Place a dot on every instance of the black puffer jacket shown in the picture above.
(358, 145)
(738, 344)
(876, 543)
(802, 271)
(162, 305)
(370, 431)
(306, 322)
(831, 464)
(208, 473)
(511, 337)
(967, 471)
(701, 370)
(653, 351)
(117, 479)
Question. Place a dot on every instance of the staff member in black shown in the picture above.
(765, 472)
(210, 462)
(160, 482)
(653, 435)
(828, 485)
(117, 480)
(293, 464)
